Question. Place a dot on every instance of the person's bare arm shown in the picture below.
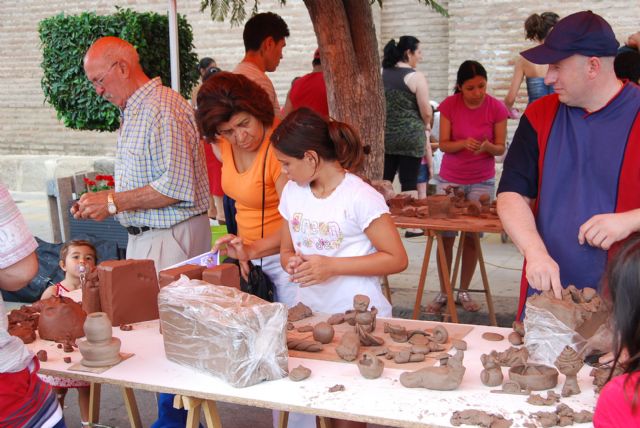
(19, 274)
(516, 81)
(93, 205)
(422, 97)
(543, 273)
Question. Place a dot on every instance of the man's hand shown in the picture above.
(604, 230)
(543, 273)
(313, 270)
(92, 205)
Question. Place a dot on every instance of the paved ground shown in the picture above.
(503, 264)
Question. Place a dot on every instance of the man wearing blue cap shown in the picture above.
(569, 192)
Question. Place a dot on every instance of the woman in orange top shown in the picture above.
(239, 113)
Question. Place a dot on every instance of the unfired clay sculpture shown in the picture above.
(534, 377)
(349, 346)
(398, 333)
(491, 375)
(323, 332)
(60, 318)
(512, 356)
(299, 373)
(365, 321)
(100, 349)
(442, 378)
(569, 364)
(370, 366)
(91, 293)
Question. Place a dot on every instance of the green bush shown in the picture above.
(65, 39)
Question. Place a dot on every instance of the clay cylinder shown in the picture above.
(97, 327)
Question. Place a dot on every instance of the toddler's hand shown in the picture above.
(313, 270)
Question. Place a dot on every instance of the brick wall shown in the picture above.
(490, 31)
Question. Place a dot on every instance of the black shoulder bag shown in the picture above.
(259, 284)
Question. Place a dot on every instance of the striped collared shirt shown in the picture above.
(159, 145)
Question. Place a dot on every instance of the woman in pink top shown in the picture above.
(619, 401)
(473, 129)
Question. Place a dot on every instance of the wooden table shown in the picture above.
(433, 228)
(383, 401)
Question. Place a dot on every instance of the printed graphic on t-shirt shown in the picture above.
(317, 234)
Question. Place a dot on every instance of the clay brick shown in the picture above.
(225, 274)
(167, 276)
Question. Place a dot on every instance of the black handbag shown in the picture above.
(259, 284)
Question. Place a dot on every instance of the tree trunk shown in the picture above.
(351, 65)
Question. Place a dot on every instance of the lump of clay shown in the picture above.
(60, 318)
(100, 349)
(398, 333)
(534, 377)
(304, 345)
(370, 366)
(479, 418)
(491, 375)
(336, 319)
(440, 334)
(299, 373)
(24, 332)
(569, 364)
(299, 312)
(128, 290)
(349, 346)
(538, 400)
(515, 338)
(442, 378)
(323, 332)
(492, 337)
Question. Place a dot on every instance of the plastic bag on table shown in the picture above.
(546, 336)
(223, 332)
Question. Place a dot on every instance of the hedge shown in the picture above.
(65, 39)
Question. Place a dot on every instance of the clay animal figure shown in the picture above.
(442, 378)
(370, 366)
(569, 364)
(492, 373)
(349, 346)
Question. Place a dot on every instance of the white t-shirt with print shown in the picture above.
(334, 227)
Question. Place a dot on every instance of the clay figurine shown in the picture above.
(534, 377)
(370, 366)
(492, 373)
(569, 364)
(512, 356)
(349, 346)
(100, 349)
(442, 378)
(299, 373)
(365, 321)
(323, 332)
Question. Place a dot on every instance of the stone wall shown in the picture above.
(490, 31)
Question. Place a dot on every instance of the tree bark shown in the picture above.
(351, 64)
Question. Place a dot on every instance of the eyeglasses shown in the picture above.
(99, 82)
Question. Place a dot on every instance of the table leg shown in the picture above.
(442, 260)
(423, 274)
(94, 402)
(211, 414)
(325, 422)
(485, 280)
(132, 407)
(456, 266)
(283, 419)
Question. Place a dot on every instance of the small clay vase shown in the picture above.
(100, 349)
(534, 377)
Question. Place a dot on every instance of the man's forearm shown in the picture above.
(142, 199)
(518, 221)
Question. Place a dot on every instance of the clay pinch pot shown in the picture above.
(60, 318)
(534, 377)
(370, 366)
(439, 206)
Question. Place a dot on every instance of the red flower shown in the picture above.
(91, 183)
(111, 183)
(86, 180)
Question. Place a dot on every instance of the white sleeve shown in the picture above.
(368, 205)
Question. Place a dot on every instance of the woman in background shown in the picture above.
(536, 28)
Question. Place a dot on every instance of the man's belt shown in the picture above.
(135, 230)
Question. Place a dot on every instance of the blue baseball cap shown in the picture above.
(582, 33)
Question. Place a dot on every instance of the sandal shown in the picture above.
(435, 307)
(464, 299)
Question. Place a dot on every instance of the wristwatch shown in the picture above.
(111, 204)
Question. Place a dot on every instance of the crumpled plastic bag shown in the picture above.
(546, 336)
(223, 332)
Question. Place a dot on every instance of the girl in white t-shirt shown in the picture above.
(338, 238)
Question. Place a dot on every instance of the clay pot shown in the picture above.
(97, 327)
(370, 366)
(534, 377)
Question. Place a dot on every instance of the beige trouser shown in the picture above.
(167, 247)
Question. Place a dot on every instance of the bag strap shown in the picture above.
(264, 174)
